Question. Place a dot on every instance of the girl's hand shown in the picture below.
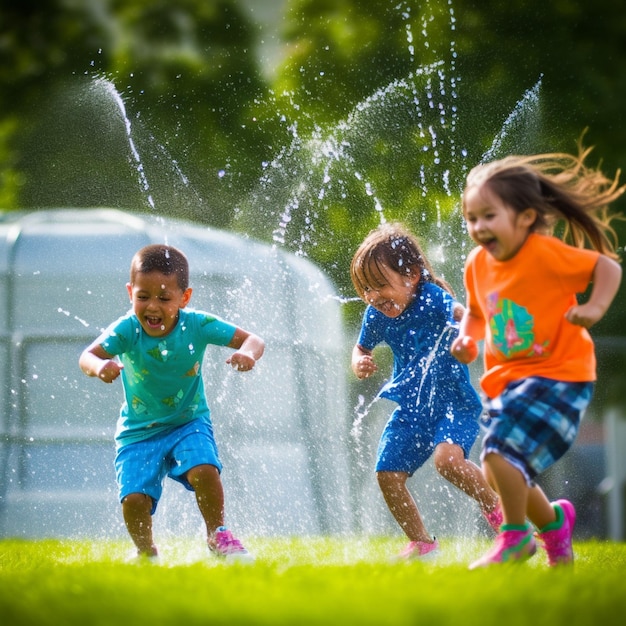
(585, 315)
(364, 367)
(241, 361)
(464, 349)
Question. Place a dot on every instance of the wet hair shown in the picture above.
(161, 258)
(561, 189)
(390, 247)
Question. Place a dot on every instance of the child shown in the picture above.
(414, 312)
(539, 357)
(165, 426)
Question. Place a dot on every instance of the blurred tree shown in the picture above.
(188, 79)
(191, 73)
(39, 42)
(376, 111)
(339, 52)
(505, 48)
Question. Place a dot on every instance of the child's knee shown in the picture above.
(137, 502)
(391, 480)
(202, 474)
(447, 458)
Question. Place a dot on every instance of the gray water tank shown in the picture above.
(281, 428)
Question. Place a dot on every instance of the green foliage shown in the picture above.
(10, 177)
(189, 81)
(308, 580)
(339, 52)
(375, 110)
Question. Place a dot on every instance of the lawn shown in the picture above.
(301, 581)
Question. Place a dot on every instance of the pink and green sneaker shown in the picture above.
(419, 550)
(494, 518)
(224, 545)
(513, 544)
(557, 536)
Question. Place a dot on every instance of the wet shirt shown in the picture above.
(523, 302)
(426, 377)
(162, 376)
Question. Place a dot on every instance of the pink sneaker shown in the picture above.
(513, 544)
(494, 518)
(421, 550)
(557, 536)
(228, 547)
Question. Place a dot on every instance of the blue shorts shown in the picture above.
(534, 422)
(141, 466)
(409, 440)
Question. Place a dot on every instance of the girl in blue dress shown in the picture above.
(414, 312)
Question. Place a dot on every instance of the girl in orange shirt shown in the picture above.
(521, 285)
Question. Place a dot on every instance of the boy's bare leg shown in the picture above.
(207, 484)
(136, 509)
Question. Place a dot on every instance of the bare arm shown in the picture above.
(363, 364)
(607, 276)
(249, 349)
(471, 330)
(95, 361)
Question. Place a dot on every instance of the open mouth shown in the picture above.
(489, 244)
(155, 323)
(388, 307)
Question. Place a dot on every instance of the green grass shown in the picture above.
(303, 581)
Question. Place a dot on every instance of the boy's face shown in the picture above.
(156, 299)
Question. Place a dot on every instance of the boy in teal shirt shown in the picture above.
(164, 427)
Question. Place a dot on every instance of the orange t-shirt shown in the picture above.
(523, 302)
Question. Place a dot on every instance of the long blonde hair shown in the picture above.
(393, 247)
(560, 188)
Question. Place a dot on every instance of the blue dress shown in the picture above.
(435, 397)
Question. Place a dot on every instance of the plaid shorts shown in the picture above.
(534, 422)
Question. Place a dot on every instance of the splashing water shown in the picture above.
(519, 124)
(334, 165)
(109, 89)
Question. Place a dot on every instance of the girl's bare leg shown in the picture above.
(451, 463)
(402, 505)
(511, 486)
(538, 508)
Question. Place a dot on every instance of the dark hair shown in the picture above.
(560, 188)
(390, 246)
(161, 258)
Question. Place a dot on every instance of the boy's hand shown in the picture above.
(241, 361)
(364, 367)
(109, 371)
(464, 349)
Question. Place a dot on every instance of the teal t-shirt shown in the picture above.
(162, 376)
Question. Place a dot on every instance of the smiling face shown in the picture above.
(495, 226)
(156, 299)
(392, 293)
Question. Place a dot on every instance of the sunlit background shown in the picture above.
(297, 126)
